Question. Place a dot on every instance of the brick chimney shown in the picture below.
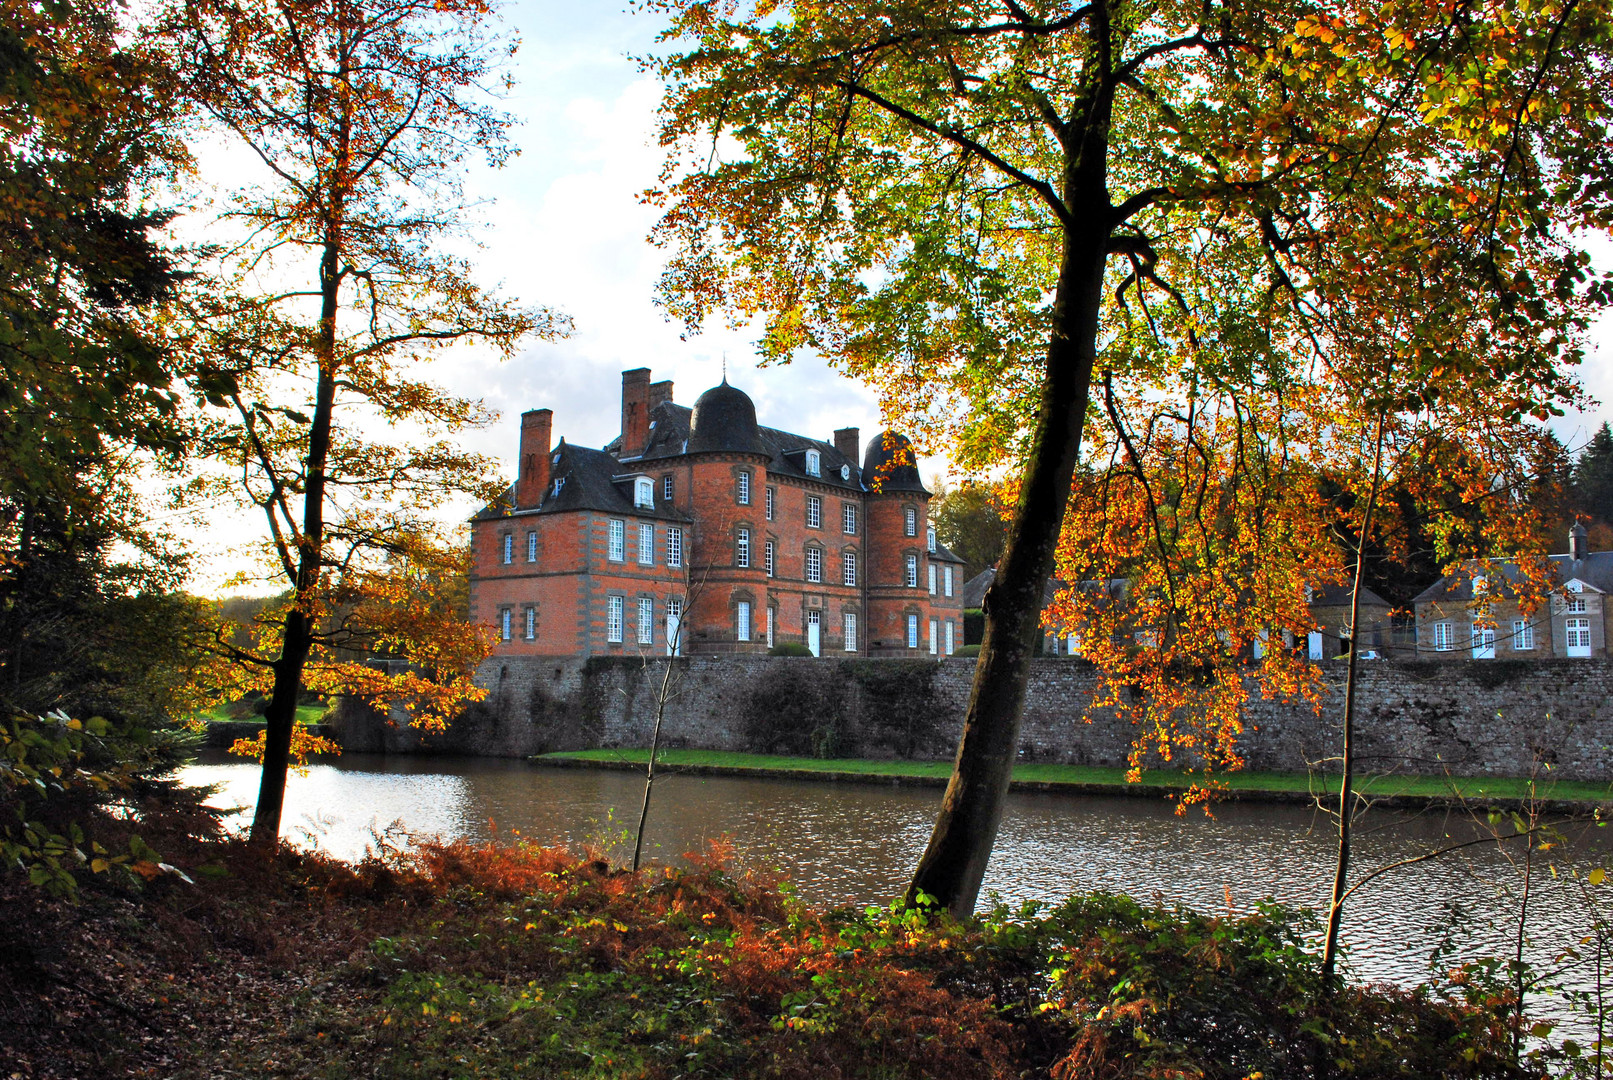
(659, 392)
(635, 412)
(1578, 542)
(847, 443)
(534, 478)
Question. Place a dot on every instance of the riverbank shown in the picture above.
(1548, 794)
(517, 960)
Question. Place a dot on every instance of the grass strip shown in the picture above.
(1251, 784)
(306, 714)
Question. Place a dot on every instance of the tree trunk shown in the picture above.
(297, 637)
(954, 864)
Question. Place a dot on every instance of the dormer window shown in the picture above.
(931, 539)
(644, 493)
(559, 482)
(1481, 585)
(813, 465)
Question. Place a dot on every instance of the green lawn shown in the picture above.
(306, 714)
(1435, 786)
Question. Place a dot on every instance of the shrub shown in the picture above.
(968, 650)
(789, 648)
(795, 709)
(974, 626)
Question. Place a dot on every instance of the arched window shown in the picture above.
(644, 493)
(813, 467)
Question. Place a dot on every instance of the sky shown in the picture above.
(566, 229)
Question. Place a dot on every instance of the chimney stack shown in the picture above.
(534, 478)
(1578, 542)
(635, 412)
(846, 442)
(660, 392)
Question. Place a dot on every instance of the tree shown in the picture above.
(995, 208)
(1593, 476)
(970, 520)
(361, 114)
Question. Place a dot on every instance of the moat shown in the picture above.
(846, 843)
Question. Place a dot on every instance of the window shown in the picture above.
(742, 495)
(646, 545)
(1442, 637)
(770, 556)
(674, 546)
(929, 539)
(644, 493)
(848, 568)
(814, 564)
(646, 620)
(742, 547)
(767, 497)
(910, 522)
(932, 578)
(613, 619)
(912, 576)
(509, 549)
(935, 637)
(848, 519)
(848, 630)
(950, 641)
(666, 487)
(530, 617)
(742, 620)
(674, 626)
(559, 482)
(912, 631)
(772, 613)
(1523, 635)
(814, 632)
(617, 540)
(1576, 603)
(1579, 637)
(814, 512)
(532, 546)
(812, 465)
(946, 579)
(504, 624)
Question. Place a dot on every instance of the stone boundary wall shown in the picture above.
(1471, 718)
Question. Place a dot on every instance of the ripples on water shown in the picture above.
(855, 843)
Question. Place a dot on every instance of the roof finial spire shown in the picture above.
(725, 367)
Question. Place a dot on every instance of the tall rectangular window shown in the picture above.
(666, 487)
(1579, 634)
(930, 539)
(768, 497)
(504, 624)
(1443, 641)
(950, 639)
(848, 630)
(644, 493)
(742, 620)
(911, 578)
(935, 637)
(848, 568)
(509, 549)
(742, 547)
(674, 626)
(812, 463)
(912, 631)
(814, 564)
(616, 541)
(532, 546)
(946, 579)
(646, 620)
(770, 556)
(742, 496)
(1523, 635)
(910, 522)
(613, 619)
(646, 545)
(814, 512)
(674, 546)
(530, 616)
(932, 579)
(772, 614)
(848, 519)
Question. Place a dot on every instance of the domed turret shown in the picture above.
(890, 464)
(724, 419)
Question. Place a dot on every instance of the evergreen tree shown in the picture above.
(1593, 476)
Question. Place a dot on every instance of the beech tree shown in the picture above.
(994, 209)
(342, 280)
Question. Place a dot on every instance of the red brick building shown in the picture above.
(701, 530)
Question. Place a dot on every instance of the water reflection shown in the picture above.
(850, 843)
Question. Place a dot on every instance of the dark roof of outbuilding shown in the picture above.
(1595, 569)
(1334, 595)
(974, 590)
(891, 464)
(589, 480)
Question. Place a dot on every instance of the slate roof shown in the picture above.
(1334, 595)
(974, 590)
(1595, 569)
(589, 480)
